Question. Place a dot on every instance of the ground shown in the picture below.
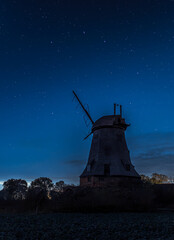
(87, 226)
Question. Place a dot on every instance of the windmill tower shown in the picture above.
(109, 161)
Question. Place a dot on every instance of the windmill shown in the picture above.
(109, 160)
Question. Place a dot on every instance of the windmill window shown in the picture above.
(106, 169)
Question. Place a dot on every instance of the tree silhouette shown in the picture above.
(39, 192)
(15, 189)
(145, 179)
(59, 186)
(155, 179)
(42, 183)
(159, 178)
(40, 188)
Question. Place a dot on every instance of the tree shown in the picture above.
(15, 189)
(40, 188)
(155, 179)
(42, 183)
(158, 178)
(59, 186)
(145, 179)
(39, 192)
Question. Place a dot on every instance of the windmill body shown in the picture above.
(109, 160)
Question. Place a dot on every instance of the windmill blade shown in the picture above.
(87, 136)
(87, 113)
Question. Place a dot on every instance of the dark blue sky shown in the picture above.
(107, 51)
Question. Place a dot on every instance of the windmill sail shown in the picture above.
(87, 113)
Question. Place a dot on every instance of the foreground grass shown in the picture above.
(87, 226)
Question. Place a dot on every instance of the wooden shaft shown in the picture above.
(83, 107)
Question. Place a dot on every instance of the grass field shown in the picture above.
(88, 226)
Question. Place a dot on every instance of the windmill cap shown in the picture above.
(110, 121)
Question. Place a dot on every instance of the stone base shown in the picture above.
(100, 181)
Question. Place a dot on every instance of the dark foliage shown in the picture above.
(42, 183)
(156, 178)
(59, 186)
(15, 189)
(43, 196)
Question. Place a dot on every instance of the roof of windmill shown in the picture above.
(110, 121)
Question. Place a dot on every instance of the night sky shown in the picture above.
(107, 51)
